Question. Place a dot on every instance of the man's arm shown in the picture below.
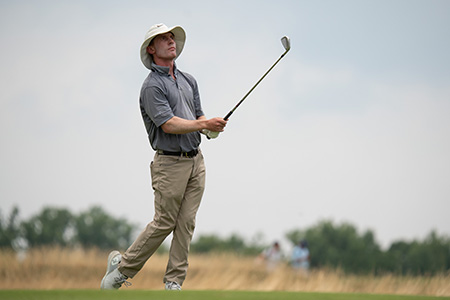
(177, 125)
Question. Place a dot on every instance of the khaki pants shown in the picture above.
(178, 184)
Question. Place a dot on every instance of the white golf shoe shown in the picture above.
(113, 279)
(173, 286)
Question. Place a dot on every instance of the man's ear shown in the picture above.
(151, 50)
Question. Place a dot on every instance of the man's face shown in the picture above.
(163, 47)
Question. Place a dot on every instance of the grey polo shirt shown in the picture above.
(162, 98)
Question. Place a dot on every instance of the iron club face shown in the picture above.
(286, 43)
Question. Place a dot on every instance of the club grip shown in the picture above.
(228, 116)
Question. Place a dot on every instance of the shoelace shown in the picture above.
(122, 280)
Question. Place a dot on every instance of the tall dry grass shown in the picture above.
(56, 268)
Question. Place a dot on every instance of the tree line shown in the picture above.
(331, 245)
(58, 226)
(342, 246)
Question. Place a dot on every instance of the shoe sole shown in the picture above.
(111, 267)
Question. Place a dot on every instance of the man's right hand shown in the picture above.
(210, 134)
(216, 124)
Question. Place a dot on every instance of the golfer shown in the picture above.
(173, 116)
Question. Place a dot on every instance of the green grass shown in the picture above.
(192, 295)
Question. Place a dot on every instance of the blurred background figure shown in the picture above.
(272, 256)
(300, 257)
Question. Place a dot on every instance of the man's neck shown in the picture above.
(166, 63)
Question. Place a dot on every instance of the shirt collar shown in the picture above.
(164, 70)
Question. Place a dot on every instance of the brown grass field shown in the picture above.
(56, 268)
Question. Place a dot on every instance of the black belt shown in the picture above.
(189, 154)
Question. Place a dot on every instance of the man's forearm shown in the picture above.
(178, 125)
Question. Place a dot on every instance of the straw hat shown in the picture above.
(179, 37)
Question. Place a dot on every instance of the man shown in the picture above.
(273, 256)
(300, 257)
(172, 113)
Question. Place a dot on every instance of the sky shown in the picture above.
(351, 126)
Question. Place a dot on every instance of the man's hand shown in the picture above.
(216, 124)
(210, 134)
(213, 134)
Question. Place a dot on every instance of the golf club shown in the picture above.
(285, 41)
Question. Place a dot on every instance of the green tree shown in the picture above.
(438, 249)
(53, 226)
(9, 229)
(207, 243)
(397, 257)
(95, 227)
(234, 243)
(339, 246)
(430, 256)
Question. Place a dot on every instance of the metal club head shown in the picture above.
(286, 43)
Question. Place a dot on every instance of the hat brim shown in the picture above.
(179, 37)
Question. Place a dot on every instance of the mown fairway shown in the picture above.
(193, 295)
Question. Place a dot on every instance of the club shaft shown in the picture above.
(256, 84)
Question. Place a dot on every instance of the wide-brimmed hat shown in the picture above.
(179, 37)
